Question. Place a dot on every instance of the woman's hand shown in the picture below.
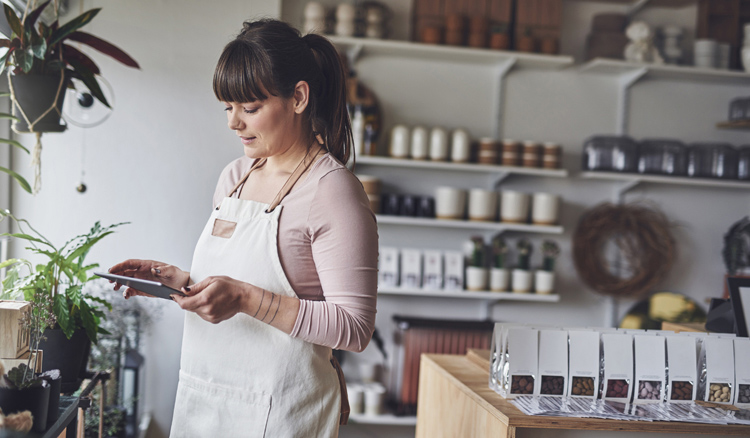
(215, 299)
(152, 270)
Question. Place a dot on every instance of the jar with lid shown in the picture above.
(551, 155)
(511, 155)
(739, 109)
(662, 156)
(532, 154)
(610, 153)
(712, 160)
(487, 152)
(743, 167)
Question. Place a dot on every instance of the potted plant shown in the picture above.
(476, 272)
(60, 281)
(41, 66)
(499, 274)
(544, 278)
(522, 278)
(21, 180)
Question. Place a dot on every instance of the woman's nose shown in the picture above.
(234, 122)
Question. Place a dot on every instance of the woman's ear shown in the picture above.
(301, 96)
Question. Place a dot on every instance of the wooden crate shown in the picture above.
(433, 12)
(722, 20)
(14, 341)
(539, 18)
(24, 359)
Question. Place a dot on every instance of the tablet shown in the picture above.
(739, 290)
(150, 287)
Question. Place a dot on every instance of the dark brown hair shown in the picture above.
(270, 56)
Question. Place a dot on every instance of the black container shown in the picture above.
(54, 379)
(426, 207)
(662, 157)
(712, 160)
(743, 165)
(35, 400)
(70, 356)
(610, 153)
(739, 109)
(409, 205)
(390, 204)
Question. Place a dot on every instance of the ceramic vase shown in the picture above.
(476, 278)
(499, 280)
(544, 282)
(522, 281)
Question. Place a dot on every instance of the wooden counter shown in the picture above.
(455, 400)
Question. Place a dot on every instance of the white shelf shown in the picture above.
(679, 180)
(676, 72)
(470, 295)
(468, 225)
(452, 54)
(383, 420)
(459, 167)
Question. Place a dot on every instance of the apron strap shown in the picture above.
(242, 180)
(345, 409)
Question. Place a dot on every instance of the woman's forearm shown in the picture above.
(275, 310)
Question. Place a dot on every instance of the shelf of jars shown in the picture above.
(678, 180)
(736, 124)
(675, 72)
(470, 295)
(370, 160)
(453, 54)
(469, 225)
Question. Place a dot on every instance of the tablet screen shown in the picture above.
(150, 287)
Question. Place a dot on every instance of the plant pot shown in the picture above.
(35, 400)
(476, 278)
(544, 281)
(53, 408)
(499, 280)
(70, 356)
(35, 94)
(522, 281)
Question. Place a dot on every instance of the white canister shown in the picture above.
(514, 206)
(356, 394)
(544, 209)
(460, 146)
(374, 398)
(420, 143)
(399, 142)
(499, 280)
(723, 55)
(482, 205)
(544, 281)
(476, 278)
(368, 372)
(438, 144)
(705, 53)
(450, 203)
(522, 281)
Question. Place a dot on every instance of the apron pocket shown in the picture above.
(223, 228)
(204, 409)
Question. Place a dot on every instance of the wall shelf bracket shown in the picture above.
(353, 53)
(497, 179)
(626, 81)
(622, 190)
(504, 67)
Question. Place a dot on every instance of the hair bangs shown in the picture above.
(241, 76)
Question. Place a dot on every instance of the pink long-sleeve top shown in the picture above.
(328, 247)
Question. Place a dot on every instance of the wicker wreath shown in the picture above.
(640, 239)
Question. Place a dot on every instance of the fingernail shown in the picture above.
(173, 297)
(157, 271)
(187, 288)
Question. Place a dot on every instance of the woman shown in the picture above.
(286, 267)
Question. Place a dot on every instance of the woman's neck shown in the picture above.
(285, 162)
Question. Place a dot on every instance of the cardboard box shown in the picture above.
(14, 340)
(650, 369)
(433, 270)
(411, 268)
(717, 359)
(618, 367)
(24, 359)
(454, 270)
(553, 363)
(682, 359)
(742, 373)
(583, 369)
(388, 267)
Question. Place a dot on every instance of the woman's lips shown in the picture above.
(247, 140)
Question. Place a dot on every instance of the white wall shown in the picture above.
(155, 162)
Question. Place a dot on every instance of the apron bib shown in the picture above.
(242, 377)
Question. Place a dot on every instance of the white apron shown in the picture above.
(242, 377)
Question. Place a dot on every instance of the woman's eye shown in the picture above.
(250, 111)
(229, 108)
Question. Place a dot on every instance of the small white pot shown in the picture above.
(544, 281)
(499, 280)
(746, 57)
(476, 278)
(522, 281)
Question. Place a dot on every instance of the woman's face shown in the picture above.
(266, 127)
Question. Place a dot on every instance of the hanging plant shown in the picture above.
(40, 60)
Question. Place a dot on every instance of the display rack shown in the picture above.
(635, 179)
(383, 420)
(468, 225)
(739, 124)
(470, 295)
(460, 167)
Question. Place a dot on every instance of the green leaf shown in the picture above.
(40, 49)
(88, 78)
(88, 321)
(12, 117)
(72, 26)
(74, 295)
(4, 61)
(28, 238)
(21, 181)
(34, 15)
(12, 142)
(15, 23)
(9, 262)
(101, 301)
(104, 47)
(60, 307)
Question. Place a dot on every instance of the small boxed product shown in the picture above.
(522, 358)
(650, 369)
(553, 363)
(583, 368)
(617, 350)
(742, 372)
(411, 268)
(454, 270)
(682, 360)
(433, 270)
(14, 340)
(717, 365)
(388, 267)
